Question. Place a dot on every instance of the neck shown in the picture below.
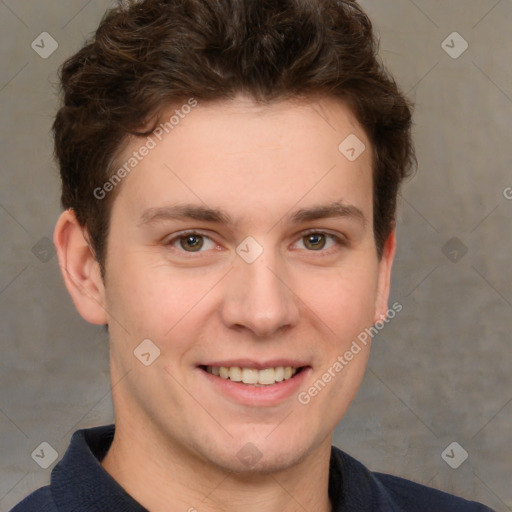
(164, 477)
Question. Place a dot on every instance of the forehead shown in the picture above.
(247, 155)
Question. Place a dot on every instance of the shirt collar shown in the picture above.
(79, 482)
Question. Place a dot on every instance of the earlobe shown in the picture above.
(80, 269)
(385, 265)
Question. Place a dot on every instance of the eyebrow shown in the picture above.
(331, 210)
(184, 211)
(204, 213)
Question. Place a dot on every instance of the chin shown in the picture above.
(260, 463)
(253, 455)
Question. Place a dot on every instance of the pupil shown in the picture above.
(316, 241)
(192, 242)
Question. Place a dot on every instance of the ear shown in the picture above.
(385, 264)
(80, 270)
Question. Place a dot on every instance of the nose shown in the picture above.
(257, 298)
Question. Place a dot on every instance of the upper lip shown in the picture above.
(258, 365)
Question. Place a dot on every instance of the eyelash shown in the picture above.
(339, 241)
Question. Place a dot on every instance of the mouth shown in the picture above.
(254, 376)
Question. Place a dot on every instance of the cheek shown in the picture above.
(344, 300)
(154, 300)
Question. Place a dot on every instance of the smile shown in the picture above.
(264, 377)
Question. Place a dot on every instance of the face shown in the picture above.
(242, 246)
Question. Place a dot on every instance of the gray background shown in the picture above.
(441, 371)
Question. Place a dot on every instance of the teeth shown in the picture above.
(235, 374)
(249, 376)
(265, 377)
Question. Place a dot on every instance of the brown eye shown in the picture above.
(314, 241)
(192, 243)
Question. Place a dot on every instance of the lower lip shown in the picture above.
(248, 394)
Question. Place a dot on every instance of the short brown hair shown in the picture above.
(155, 53)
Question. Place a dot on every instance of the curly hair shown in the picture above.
(151, 54)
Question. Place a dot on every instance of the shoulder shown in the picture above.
(39, 501)
(356, 486)
(77, 477)
(415, 497)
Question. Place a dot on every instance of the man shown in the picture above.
(230, 172)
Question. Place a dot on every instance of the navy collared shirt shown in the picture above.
(80, 484)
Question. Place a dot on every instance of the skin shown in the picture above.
(177, 437)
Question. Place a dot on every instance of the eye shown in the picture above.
(318, 241)
(192, 242)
